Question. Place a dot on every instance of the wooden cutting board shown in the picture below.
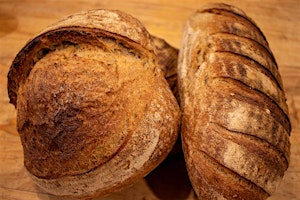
(21, 20)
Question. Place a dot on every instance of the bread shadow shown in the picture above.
(170, 181)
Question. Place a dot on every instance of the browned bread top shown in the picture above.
(95, 112)
(235, 125)
(88, 25)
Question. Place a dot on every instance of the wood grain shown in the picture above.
(21, 20)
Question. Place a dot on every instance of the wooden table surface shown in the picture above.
(20, 20)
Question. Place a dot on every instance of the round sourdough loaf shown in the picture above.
(94, 111)
(235, 125)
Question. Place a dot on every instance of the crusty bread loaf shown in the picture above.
(235, 125)
(94, 111)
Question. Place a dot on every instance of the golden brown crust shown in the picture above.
(95, 112)
(235, 125)
(93, 22)
(240, 23)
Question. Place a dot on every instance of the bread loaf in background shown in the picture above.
(235, 125)
(94, 111)
(167, 56)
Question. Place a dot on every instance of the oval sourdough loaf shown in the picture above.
(94, 111)
(235, 126)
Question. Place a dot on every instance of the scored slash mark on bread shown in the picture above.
(235, 125)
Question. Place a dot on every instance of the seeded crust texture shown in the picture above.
(94, 111)
(235, 125)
